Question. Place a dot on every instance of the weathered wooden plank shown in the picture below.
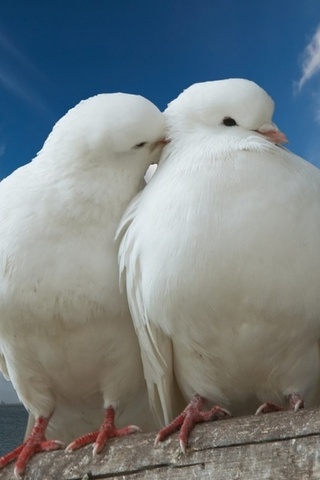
(275, 446)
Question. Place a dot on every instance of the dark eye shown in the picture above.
(139, 145)
(229, 122)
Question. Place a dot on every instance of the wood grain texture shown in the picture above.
(275, 446)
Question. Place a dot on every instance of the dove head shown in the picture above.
(219, 105)
(109, 127)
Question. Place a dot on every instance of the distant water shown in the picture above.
(13, 422)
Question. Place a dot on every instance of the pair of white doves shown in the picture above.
(219, 253)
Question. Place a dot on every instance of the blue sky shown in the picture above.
(55, 53)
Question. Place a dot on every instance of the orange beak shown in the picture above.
(272, 133)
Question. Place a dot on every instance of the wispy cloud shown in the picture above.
(18, 75)
(310, 59)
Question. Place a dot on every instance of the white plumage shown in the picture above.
(222, 257)
(66, 335)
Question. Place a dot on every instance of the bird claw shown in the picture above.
(49, 445)
(186, 421)
(10, 457)
(269, 407)
(35, 443)
(82, 441)
(157, 440)
(296, 402)
(183, 446)
(298, 405)
(99, 438)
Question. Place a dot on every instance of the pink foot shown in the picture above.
(190, 416)
(35, 443)
(99, 438)
(295, 403)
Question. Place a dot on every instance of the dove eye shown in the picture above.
(229, 122)
(140, 145)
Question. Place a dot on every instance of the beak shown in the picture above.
(159, 143)
(271, 132)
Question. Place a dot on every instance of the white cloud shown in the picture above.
(7, 46)
(310, 66)
(310, 59)
(18, 74)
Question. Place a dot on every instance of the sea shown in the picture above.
(13, 422)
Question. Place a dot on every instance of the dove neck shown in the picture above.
(95, 180)
(216, 142)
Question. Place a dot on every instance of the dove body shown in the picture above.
(66, 337)
(224, 242)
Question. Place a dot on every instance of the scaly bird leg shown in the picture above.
(35, 443)
(107, 430)
(296, 402)
(190, 416)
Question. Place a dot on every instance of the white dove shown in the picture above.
(221, 256)
(67, 341)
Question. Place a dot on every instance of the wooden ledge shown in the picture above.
(275, 446)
